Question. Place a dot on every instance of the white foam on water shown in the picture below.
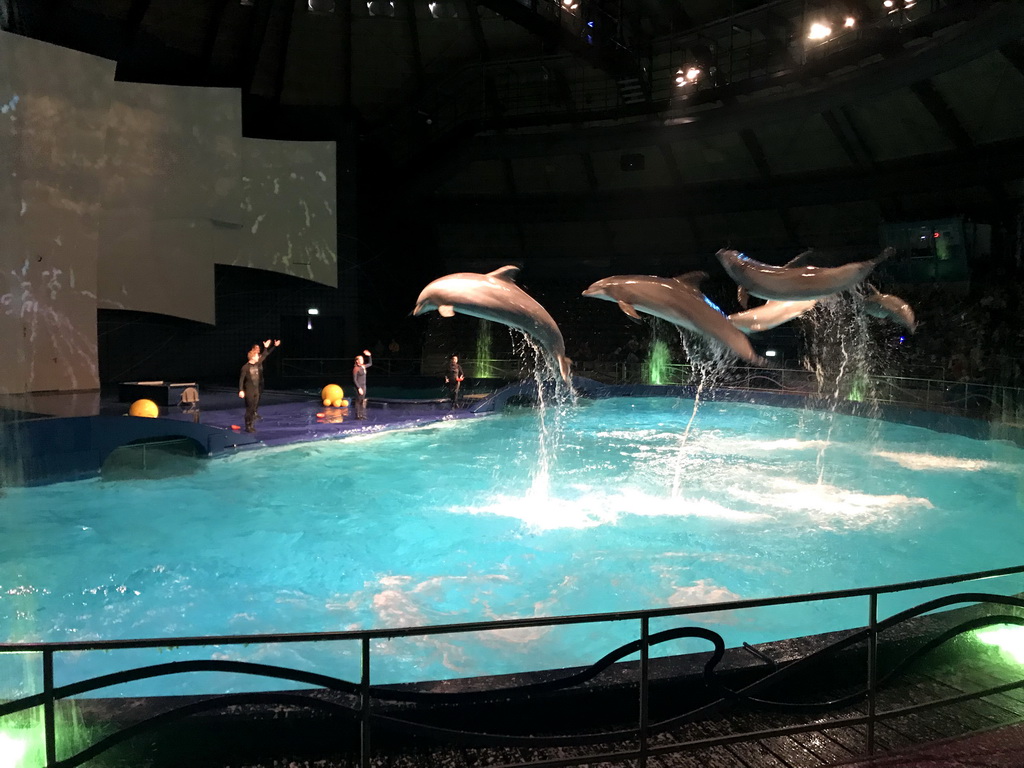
(829, 506)
(930, 461)
(594, 508)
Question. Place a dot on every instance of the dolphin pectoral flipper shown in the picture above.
(446, 310)
(629, 310)
(508, 272)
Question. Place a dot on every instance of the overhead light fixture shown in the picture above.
(312, 311)
(819, 31)
(850, 22)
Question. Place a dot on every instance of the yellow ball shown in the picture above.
(146, 408)
(330, 393)
(337, 403)
(344, 403)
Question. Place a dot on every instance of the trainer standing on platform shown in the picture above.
(359, 379)
(250, 381)
(453, 378)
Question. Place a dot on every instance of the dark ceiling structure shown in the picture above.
(606, 131)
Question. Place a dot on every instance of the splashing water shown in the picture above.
(708, 365)
(841, 356)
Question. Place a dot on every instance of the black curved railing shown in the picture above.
(395, 708)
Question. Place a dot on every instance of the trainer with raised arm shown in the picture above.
(362, 362)
(250, 381)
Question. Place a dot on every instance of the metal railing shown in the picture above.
(367, 705)
(996, 402)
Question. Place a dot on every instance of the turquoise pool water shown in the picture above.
(455, 523)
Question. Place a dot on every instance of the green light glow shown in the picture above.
(13, 749)
(658, 363)
(483, 351)
(1008, 638)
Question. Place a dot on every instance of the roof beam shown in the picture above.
(940, 110)
(414, 42)
(757, 153)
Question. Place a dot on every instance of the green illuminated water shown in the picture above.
(658, 362)
(483, 351)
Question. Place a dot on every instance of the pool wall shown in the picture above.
(50, 450)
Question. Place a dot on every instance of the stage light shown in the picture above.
(819, 31)
(770, 353)
(850, 22)
(1006, 637)
(888, 3)
(312, 311)
(689, 74)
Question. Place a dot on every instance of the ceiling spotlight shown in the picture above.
(888, 3)
(692, 73)
(850, 22)
(819, 31)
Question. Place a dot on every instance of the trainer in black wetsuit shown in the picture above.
(250, 381)
(359, 379)
(453, 377)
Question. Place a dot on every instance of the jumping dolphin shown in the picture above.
(771, 315)
(889, 307)
(679, 301)
(795, 283)
(496, 297)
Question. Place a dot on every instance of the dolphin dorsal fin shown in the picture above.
(693, 278)
(629, 310)
(800, 260)
(508, 272)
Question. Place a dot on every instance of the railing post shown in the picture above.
(49, 719)
(872, 667)
(645, 633)
(364, 706)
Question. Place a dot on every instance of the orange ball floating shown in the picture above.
(145, 408)
(331, 393)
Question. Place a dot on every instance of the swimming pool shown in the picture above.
(466, 521)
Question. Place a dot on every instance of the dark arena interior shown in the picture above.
(810, 207)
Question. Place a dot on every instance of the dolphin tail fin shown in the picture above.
(565, 368)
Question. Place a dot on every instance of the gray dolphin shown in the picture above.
(496, 297)
(795, 283)
(771, 315)
(889, 307)
(679, 301)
